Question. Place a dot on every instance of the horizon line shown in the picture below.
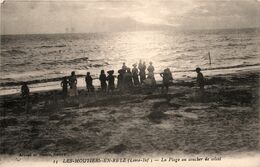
(175, 29)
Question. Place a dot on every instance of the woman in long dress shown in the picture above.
(103, 81)
(135, 75)
(151, 73)
(73, 84)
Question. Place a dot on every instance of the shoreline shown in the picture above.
(184, 77)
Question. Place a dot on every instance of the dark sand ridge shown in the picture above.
(145, 122)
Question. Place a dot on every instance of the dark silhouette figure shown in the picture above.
(140, 65)
(200, 79)
(150, 68)
(103, 81)
(142, 72)
(151, 73)
(25, 91)
(64, 84)
(120, 79)
(135, 75)
(124, 67)
(128, 81)
(111, 81)
(167, 78)
(73, 84)
(89, 82)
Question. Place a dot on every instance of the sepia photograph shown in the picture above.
(130, 83)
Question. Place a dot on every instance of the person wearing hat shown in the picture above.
(103, 81)
(135, 75)
(200, 79)
(111, 81)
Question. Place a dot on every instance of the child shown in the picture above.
(64, 85)
(200, 79)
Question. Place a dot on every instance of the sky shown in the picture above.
(83, 16)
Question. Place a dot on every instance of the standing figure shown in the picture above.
(167, 78)
(200, 79)
(124, 67)
(120, 79)
(142, 72)
(151, 73)
(150, 67)
(135, 75)
(73, 84)
(140, 65)
(103, 81)
(89, 82)
(128, 82)
(111, 81)
(64, 85)
(25, 91)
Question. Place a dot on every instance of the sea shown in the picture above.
(43, 59)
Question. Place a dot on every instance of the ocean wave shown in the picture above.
(222, 68)
(16, 64)
(77, 61)
(50, 46)
(236, 44)
(239, 58)
(14, 51)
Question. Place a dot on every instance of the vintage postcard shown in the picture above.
(130, 83)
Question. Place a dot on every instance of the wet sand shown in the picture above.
(224, 120)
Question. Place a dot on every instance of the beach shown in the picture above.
(222, 120)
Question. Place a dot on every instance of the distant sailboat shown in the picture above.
(70, 30)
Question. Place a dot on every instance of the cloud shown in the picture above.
(107, 15)
(223, 14)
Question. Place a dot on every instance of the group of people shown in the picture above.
(127, 78)
(72, 82)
